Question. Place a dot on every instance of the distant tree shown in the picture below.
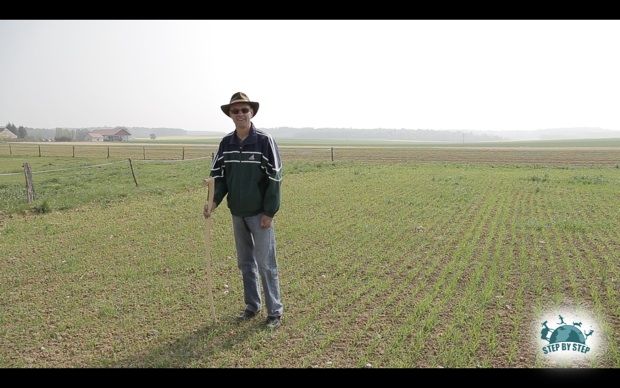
(11, 127)
(63, 134)
(153, 136)
(81, 135)
(21, 132)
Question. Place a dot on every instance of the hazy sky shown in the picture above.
(486, 75)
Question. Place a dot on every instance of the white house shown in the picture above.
(6, 134)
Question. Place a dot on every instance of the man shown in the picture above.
(248, 169)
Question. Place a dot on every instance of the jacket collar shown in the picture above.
(251, 139)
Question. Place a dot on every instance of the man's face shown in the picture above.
(241, 113)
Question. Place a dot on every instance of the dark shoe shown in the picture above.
(247, 315)
(274, 322)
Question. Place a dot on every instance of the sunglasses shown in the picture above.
(242, 110)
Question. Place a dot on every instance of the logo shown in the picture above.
(565, 338)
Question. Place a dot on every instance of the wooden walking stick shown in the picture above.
(210, 183)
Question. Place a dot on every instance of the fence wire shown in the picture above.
(66, 187)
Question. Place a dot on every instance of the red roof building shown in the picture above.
(115, 134)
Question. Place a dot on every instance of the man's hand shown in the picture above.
(265, 221)
(206, 212)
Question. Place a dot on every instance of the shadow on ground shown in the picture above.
(189, 350)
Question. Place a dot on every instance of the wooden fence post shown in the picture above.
(143, 153)
(29, 185)
(132, 173)
(332, 154)
(108, 152)
(183, 155)
(10, 150)
(39, 150)
(74, 151)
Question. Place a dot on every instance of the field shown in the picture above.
(389, 257)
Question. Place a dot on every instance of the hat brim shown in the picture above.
(253, 104)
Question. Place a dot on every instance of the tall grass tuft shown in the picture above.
(44, 207)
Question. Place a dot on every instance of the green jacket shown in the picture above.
(250, 172)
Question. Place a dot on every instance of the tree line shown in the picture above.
(37, 134)
(20, 131)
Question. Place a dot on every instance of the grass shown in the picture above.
(393, 265)
(582, 151)
(64, 183)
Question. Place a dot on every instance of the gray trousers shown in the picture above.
(256, 254)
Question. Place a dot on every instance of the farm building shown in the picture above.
(6, 134)
(91, 136)
(114, 134)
